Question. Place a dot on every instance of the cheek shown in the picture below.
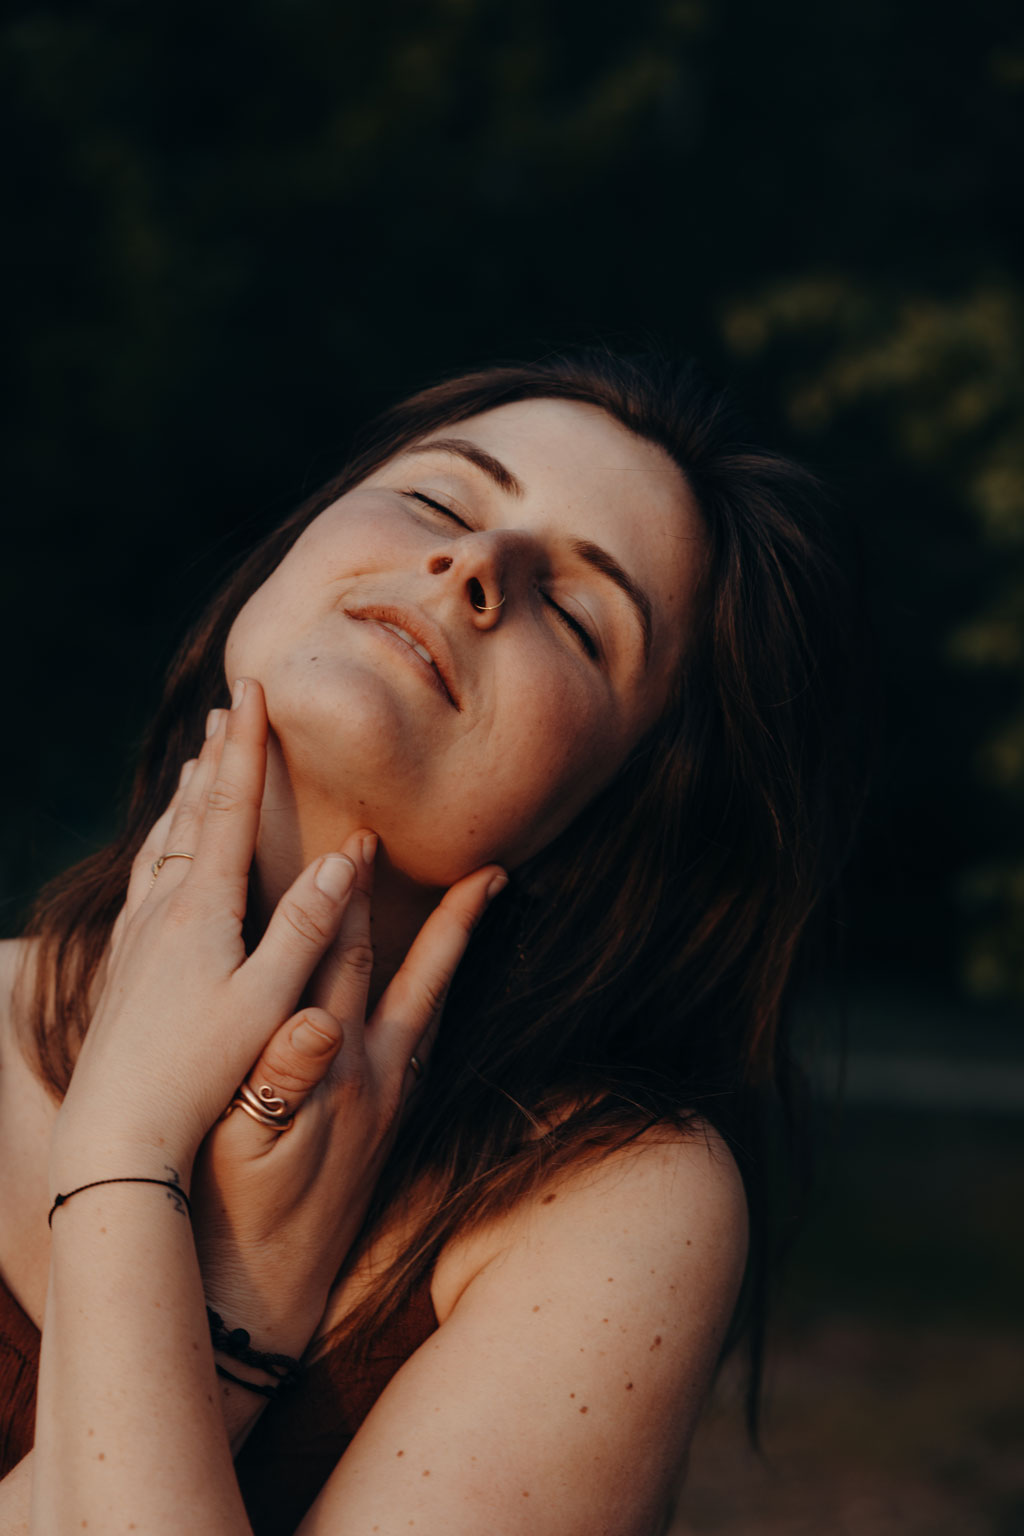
(560, 709)
(274, 617)
(547, 736)
(553, 747)
(247, 640)
(362, 534)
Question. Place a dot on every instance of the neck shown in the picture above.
(293, 833)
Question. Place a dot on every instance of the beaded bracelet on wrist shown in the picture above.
(285, 1371)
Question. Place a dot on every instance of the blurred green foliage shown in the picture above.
(948, 375)
(235, 231)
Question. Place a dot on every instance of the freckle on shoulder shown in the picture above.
(685, 1196)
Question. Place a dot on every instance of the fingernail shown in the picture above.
(187, 770)
(238, 692)
(496, 886)
(212, 721)
(335, 875)
(307, 1040)
(369, 847)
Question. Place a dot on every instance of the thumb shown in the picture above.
(294, 1062)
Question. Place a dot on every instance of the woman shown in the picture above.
(557, 627)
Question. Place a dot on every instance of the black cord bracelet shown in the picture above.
(182, 1201)
(250, 1386)
(285, 1371)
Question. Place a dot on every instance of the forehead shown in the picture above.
(585, 475)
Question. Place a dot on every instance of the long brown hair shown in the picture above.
(637, 971)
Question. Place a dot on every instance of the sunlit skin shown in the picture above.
(557, 607)
(537, 724)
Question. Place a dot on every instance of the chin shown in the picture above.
(349, 757)
(336, 718)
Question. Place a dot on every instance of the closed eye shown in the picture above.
(582, 635)
(572, 624)
(437, 506)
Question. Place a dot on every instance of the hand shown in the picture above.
(275, 1213)
(184, 1014)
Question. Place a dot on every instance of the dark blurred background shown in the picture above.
(234, 231)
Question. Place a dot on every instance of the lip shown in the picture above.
(426, 633)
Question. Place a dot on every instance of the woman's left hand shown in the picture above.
(184, 1015)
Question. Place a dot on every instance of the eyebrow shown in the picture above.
(584, 549)
(492, 467)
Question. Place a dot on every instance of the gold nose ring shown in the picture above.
(487, 607)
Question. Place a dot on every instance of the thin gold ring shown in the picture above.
(417, 1065)
(158, 864)
(488, 607)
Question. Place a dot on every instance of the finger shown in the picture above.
(117, 932)
(188, 814)
(140, 881)
(408, 1013)
(342, 980)
(227, 836)
(294, 1062)
(303, 925)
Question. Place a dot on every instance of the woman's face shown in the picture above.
(541, 561)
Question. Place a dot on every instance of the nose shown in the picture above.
(483, 567)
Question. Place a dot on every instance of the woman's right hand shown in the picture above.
(275, 1213)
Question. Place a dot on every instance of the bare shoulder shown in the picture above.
(13, 953)
(670, 1204)
(18, 960)
(673, 1183)
(26, 1119)
(26, 1109)
(578, 1338)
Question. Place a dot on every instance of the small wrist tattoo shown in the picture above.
(175, 1192)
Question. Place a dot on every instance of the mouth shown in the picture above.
(421, 637)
